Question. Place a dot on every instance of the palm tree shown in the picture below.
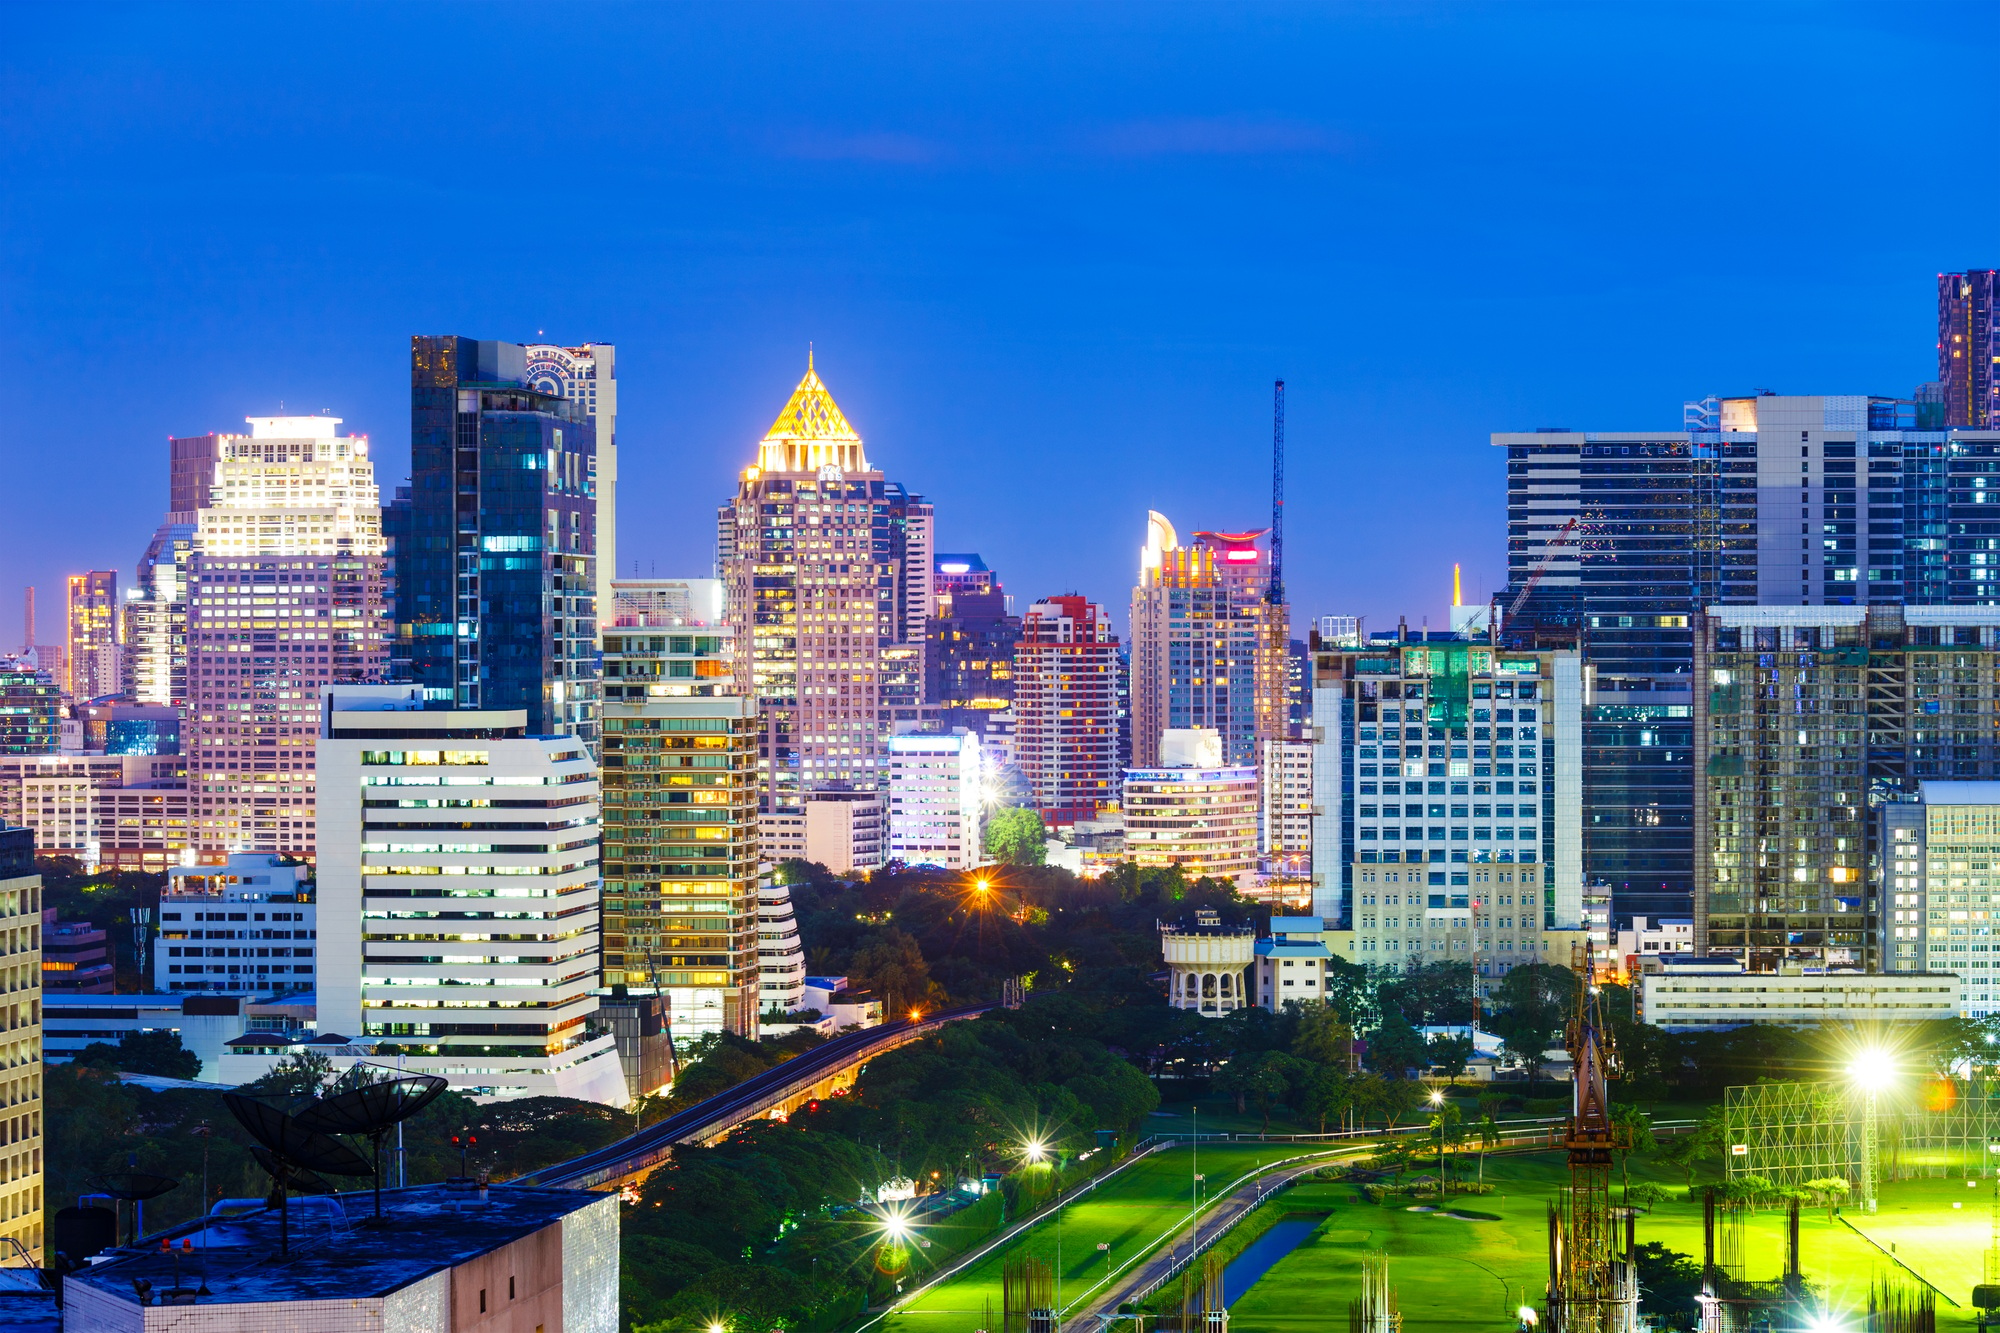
(1489, 1138)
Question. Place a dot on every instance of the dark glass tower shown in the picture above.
(496, 577)
(1968, 341)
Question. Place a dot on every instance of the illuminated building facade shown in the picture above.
(827, 564)
(96, 635)
(970, 663)
(1208, 651)
(935, 799)
(30, 709)
(1807, 721)
(1447, 776)
(1193, 811)
(497, 591)
(249, 925)
(285, 596)
(1066, 672)
(21, 1203)
(1968, 349)
(118, 812)
(588, 377)
(156, 651)
(681, 837)
(459, 895)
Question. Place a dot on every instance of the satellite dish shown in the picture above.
(133, 1187)
(373, 1109)
(292, 1148)
(301, 1181)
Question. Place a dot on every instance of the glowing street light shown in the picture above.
(1035, 1150)
(896, 1227)
(1437, 1097)
(1872, 1069)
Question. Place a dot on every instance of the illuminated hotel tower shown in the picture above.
(827, 569)
(1208, 650)
(285, 595)
(588, 377)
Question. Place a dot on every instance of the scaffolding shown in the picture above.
(1791, 1133)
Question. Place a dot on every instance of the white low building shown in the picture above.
(781, 959)
(458, 877)
(1292, 962)
(1704, 994)
(249, 925)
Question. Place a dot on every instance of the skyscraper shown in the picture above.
(95, 633)
(970, 663)
(1617, 539)
(21, 1206)
(827, 564)
(1065, 704)
(156, 619)
(588, 375)
(497, 594)
(285, 596)
(1208, 649)
(1968, 348)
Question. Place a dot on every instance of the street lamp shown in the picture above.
(1034, 1150)
(1872, 1069)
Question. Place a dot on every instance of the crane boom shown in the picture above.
(1561, 539)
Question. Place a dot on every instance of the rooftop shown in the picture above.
(429, 1228)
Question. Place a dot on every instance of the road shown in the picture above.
(1216, 1216)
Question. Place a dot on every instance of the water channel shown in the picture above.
(1243, 1271)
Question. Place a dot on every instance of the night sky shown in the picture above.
(1050, 257)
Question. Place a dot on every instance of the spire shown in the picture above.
(811, 432)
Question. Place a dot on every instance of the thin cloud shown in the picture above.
(881, 146)
(1217, 136)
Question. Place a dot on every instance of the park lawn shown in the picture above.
(1133, 1212)
(1946, 1245)
(1453, 1274)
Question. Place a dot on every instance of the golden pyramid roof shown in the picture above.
(811, 433)
(811, 414)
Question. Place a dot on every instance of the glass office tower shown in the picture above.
(496, 593)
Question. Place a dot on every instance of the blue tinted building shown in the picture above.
(496, 554)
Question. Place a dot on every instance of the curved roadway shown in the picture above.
(654, 1144)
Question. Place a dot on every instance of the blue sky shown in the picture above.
(1051, 256)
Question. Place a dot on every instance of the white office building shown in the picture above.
(934, 799)
(247, 926)
(459, 872)
(781, 959)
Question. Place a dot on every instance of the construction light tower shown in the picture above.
(1592, 1289)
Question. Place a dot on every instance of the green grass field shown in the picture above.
(1452, 1274)
(1133, 1212)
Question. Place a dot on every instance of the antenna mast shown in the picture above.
(1275, 594)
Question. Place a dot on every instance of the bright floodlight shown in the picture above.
(895, 1226)
(1872, 1068)
(1824, 1323)
(1036, 1150)
(1527, 1315)
(981, 885)
(1437, 1098)
(715, 1328)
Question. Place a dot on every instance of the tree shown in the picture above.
(1669, 1283)
(891, 965)
(1400, 1097)
(300, 1074)
(1395, 1048)
(1322, 1093)
(1450, 1055)
(1632, 1131)
(1445, 1123)
(1320, 1035)
(159, 1053)
(1535, 1000)
(1489, 1139)
(1831, 1190)
(1017, 837)
(1351, 992)
(1681, 1151)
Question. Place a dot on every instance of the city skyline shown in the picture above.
(1100, 318)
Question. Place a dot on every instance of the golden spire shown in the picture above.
(811, 432)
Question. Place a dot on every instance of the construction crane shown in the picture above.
(1561, 539)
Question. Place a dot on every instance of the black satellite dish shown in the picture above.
(292, 1148)
(134, 1187)
(301, 1180)
(372, 1110)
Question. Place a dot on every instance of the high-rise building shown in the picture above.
(191, 464)
(285, 596)
(1968, 348)
(424, 817)
(681, 847)
(156, 649)
(21, 1204)
(1807, 722)
(935, 799)
(1339, 631)
(1065, 706)
(781, 958)
(117, 812)
(96, 635)
(970, 661)
(497, 593)
(30, 709)
(1937, 857)
(1192, 810)
(249, 926)
(1616, 540)
(1287, 775)
(827, 564)
(1447, 776)
(1208, 649)
(588, 376)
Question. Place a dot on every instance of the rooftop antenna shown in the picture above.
(1275, 594)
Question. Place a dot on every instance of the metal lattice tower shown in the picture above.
(1275, 594)
(1591, 1290)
